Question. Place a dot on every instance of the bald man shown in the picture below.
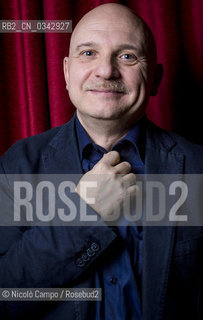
(149, 273)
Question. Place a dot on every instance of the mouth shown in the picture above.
(107, 92)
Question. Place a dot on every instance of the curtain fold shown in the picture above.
(33, 97)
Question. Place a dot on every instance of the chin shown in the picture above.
(105, 111)
(108, 115)
(106, 118)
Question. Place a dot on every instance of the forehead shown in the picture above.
(113, 31)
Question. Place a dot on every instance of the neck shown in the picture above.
(105, 133)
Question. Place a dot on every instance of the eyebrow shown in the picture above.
(120, 47)
(86, 44)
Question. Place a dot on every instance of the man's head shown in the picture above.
(111, 70)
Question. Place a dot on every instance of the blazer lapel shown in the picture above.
(158, 241)
(61, 155)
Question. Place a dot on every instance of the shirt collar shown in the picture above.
(135, 136)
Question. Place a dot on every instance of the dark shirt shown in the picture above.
(120, 276)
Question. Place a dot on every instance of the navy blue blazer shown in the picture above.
(172, 279)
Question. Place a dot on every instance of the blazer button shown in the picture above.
(90, 252)
(80, 262)
(95, 247)
(85, 257)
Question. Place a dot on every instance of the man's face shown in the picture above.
(108, 72)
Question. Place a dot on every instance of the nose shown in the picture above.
(107, 69)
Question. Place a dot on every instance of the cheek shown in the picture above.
(78, 74)
(137, 77)
(132, 80)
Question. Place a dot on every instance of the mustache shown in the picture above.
(113, 85)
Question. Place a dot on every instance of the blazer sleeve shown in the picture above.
(47, 256)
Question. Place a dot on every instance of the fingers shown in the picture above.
(129, 179)
(110, 164)
(114, 184)
(111, 158)
(132, 190)
(123, 168)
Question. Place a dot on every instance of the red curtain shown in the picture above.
(32, 88)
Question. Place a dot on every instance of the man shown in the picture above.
(150, 273)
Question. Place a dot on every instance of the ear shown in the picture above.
(157, 79)
(65, 70)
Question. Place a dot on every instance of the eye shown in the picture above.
(128, 56)
(88, 53)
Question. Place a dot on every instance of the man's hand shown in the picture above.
(114, 183)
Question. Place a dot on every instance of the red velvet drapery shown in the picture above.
(32, 88)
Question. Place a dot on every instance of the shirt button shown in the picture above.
(114, 280)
